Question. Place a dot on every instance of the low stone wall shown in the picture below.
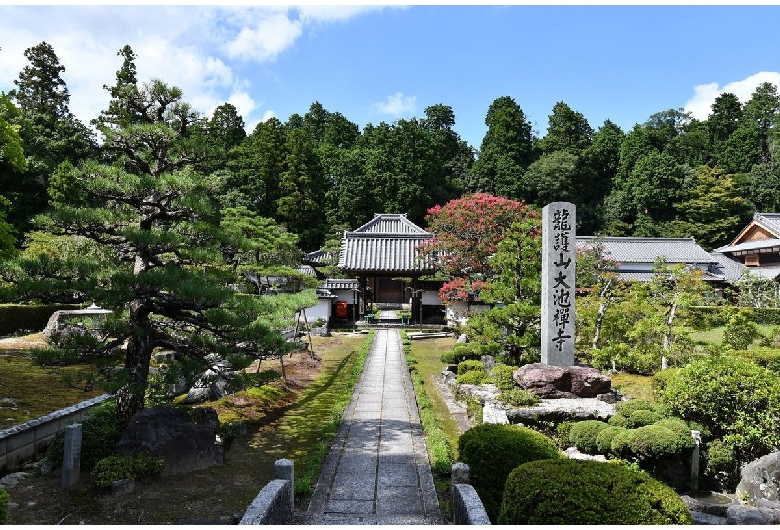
(467, 507)
(23, 443)
(275, 502)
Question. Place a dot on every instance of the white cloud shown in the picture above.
(269, 36)
(186, 46)
(396, 105)
(700, 105)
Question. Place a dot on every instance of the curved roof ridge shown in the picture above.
(390, 223)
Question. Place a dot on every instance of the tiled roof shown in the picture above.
(391, 223)
(308, 270)
(317, 257)
(754, 244)
(340, 284)
(389, 243)
(770, 221)
(725, 267)
(770, 272)
(646, 249)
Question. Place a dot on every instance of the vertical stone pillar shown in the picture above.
(284, 469)
(695, 459)
(559, 240)
(71, 457)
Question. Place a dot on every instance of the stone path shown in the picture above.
(377, 471)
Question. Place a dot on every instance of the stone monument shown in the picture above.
(558, 270)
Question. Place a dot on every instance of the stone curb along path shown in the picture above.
(377, 470)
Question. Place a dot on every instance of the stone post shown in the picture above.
(460, 473)
(695, 454)
(559, 241)
(71, 457)
(284, 469)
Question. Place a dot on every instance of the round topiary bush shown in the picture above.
(583, 435)
(470, 366)
(472, 377)
(586, 492)
(493, 450)
(605, 437)
(636, 413)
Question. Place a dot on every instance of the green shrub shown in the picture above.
(3, 506)
(734, 400)
(493, 450)
(605, 437)
(660, 378)
(470, 366)
(518, 397)
(769, 358)
(656, 441)
(472, 377)
(583, 435)
(562, 433)
(502, 376)
(636, 413)
(141, 467)
(719, 458)
(100, 432)
(740, 332)
(580, 492)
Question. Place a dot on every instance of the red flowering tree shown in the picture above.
(467, 231)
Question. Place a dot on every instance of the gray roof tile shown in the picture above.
(388, 243)
(647, 249)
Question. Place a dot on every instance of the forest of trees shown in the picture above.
(317, 173)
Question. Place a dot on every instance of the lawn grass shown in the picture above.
(423, 358)
(28, 390)
(634, 386)
(715, 335)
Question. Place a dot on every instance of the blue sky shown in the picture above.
(374, 63)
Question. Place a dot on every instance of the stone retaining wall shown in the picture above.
(276, 502)
(23, 443)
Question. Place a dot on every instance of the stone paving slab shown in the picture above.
(377, 470)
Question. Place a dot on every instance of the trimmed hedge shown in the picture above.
(579, 492)
(15, 318)
(707, 317)
(583, 435)
(492, 450)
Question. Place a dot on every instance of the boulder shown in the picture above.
(760, 479)
(212, 385)
(169, 432)
(745, 515)
(556, 382)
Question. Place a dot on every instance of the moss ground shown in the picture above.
(279, 425)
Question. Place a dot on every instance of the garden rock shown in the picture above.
(745, 515)
(760, 479)
(212, 385)
(169, 432)
(556, 382)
